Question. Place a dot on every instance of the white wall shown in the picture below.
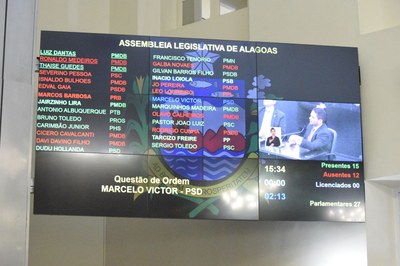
(198, 243)
(376, 15)
(380, 65)
(66, 240)
(74, 15)
(232, 26)
(323, 22)
(382, 209)
(16, 57)
(125, 11)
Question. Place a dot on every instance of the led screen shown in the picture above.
(139, 126)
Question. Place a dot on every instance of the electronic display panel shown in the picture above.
(140, 126)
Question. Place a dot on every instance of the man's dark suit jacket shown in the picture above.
(320, 141)
(278, 119)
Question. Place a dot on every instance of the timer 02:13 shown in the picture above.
(275, 196)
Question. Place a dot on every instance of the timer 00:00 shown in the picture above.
(277, 182)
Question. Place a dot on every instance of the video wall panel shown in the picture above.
(139, 126)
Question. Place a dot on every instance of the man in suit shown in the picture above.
(269, 117)
(317, 136)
